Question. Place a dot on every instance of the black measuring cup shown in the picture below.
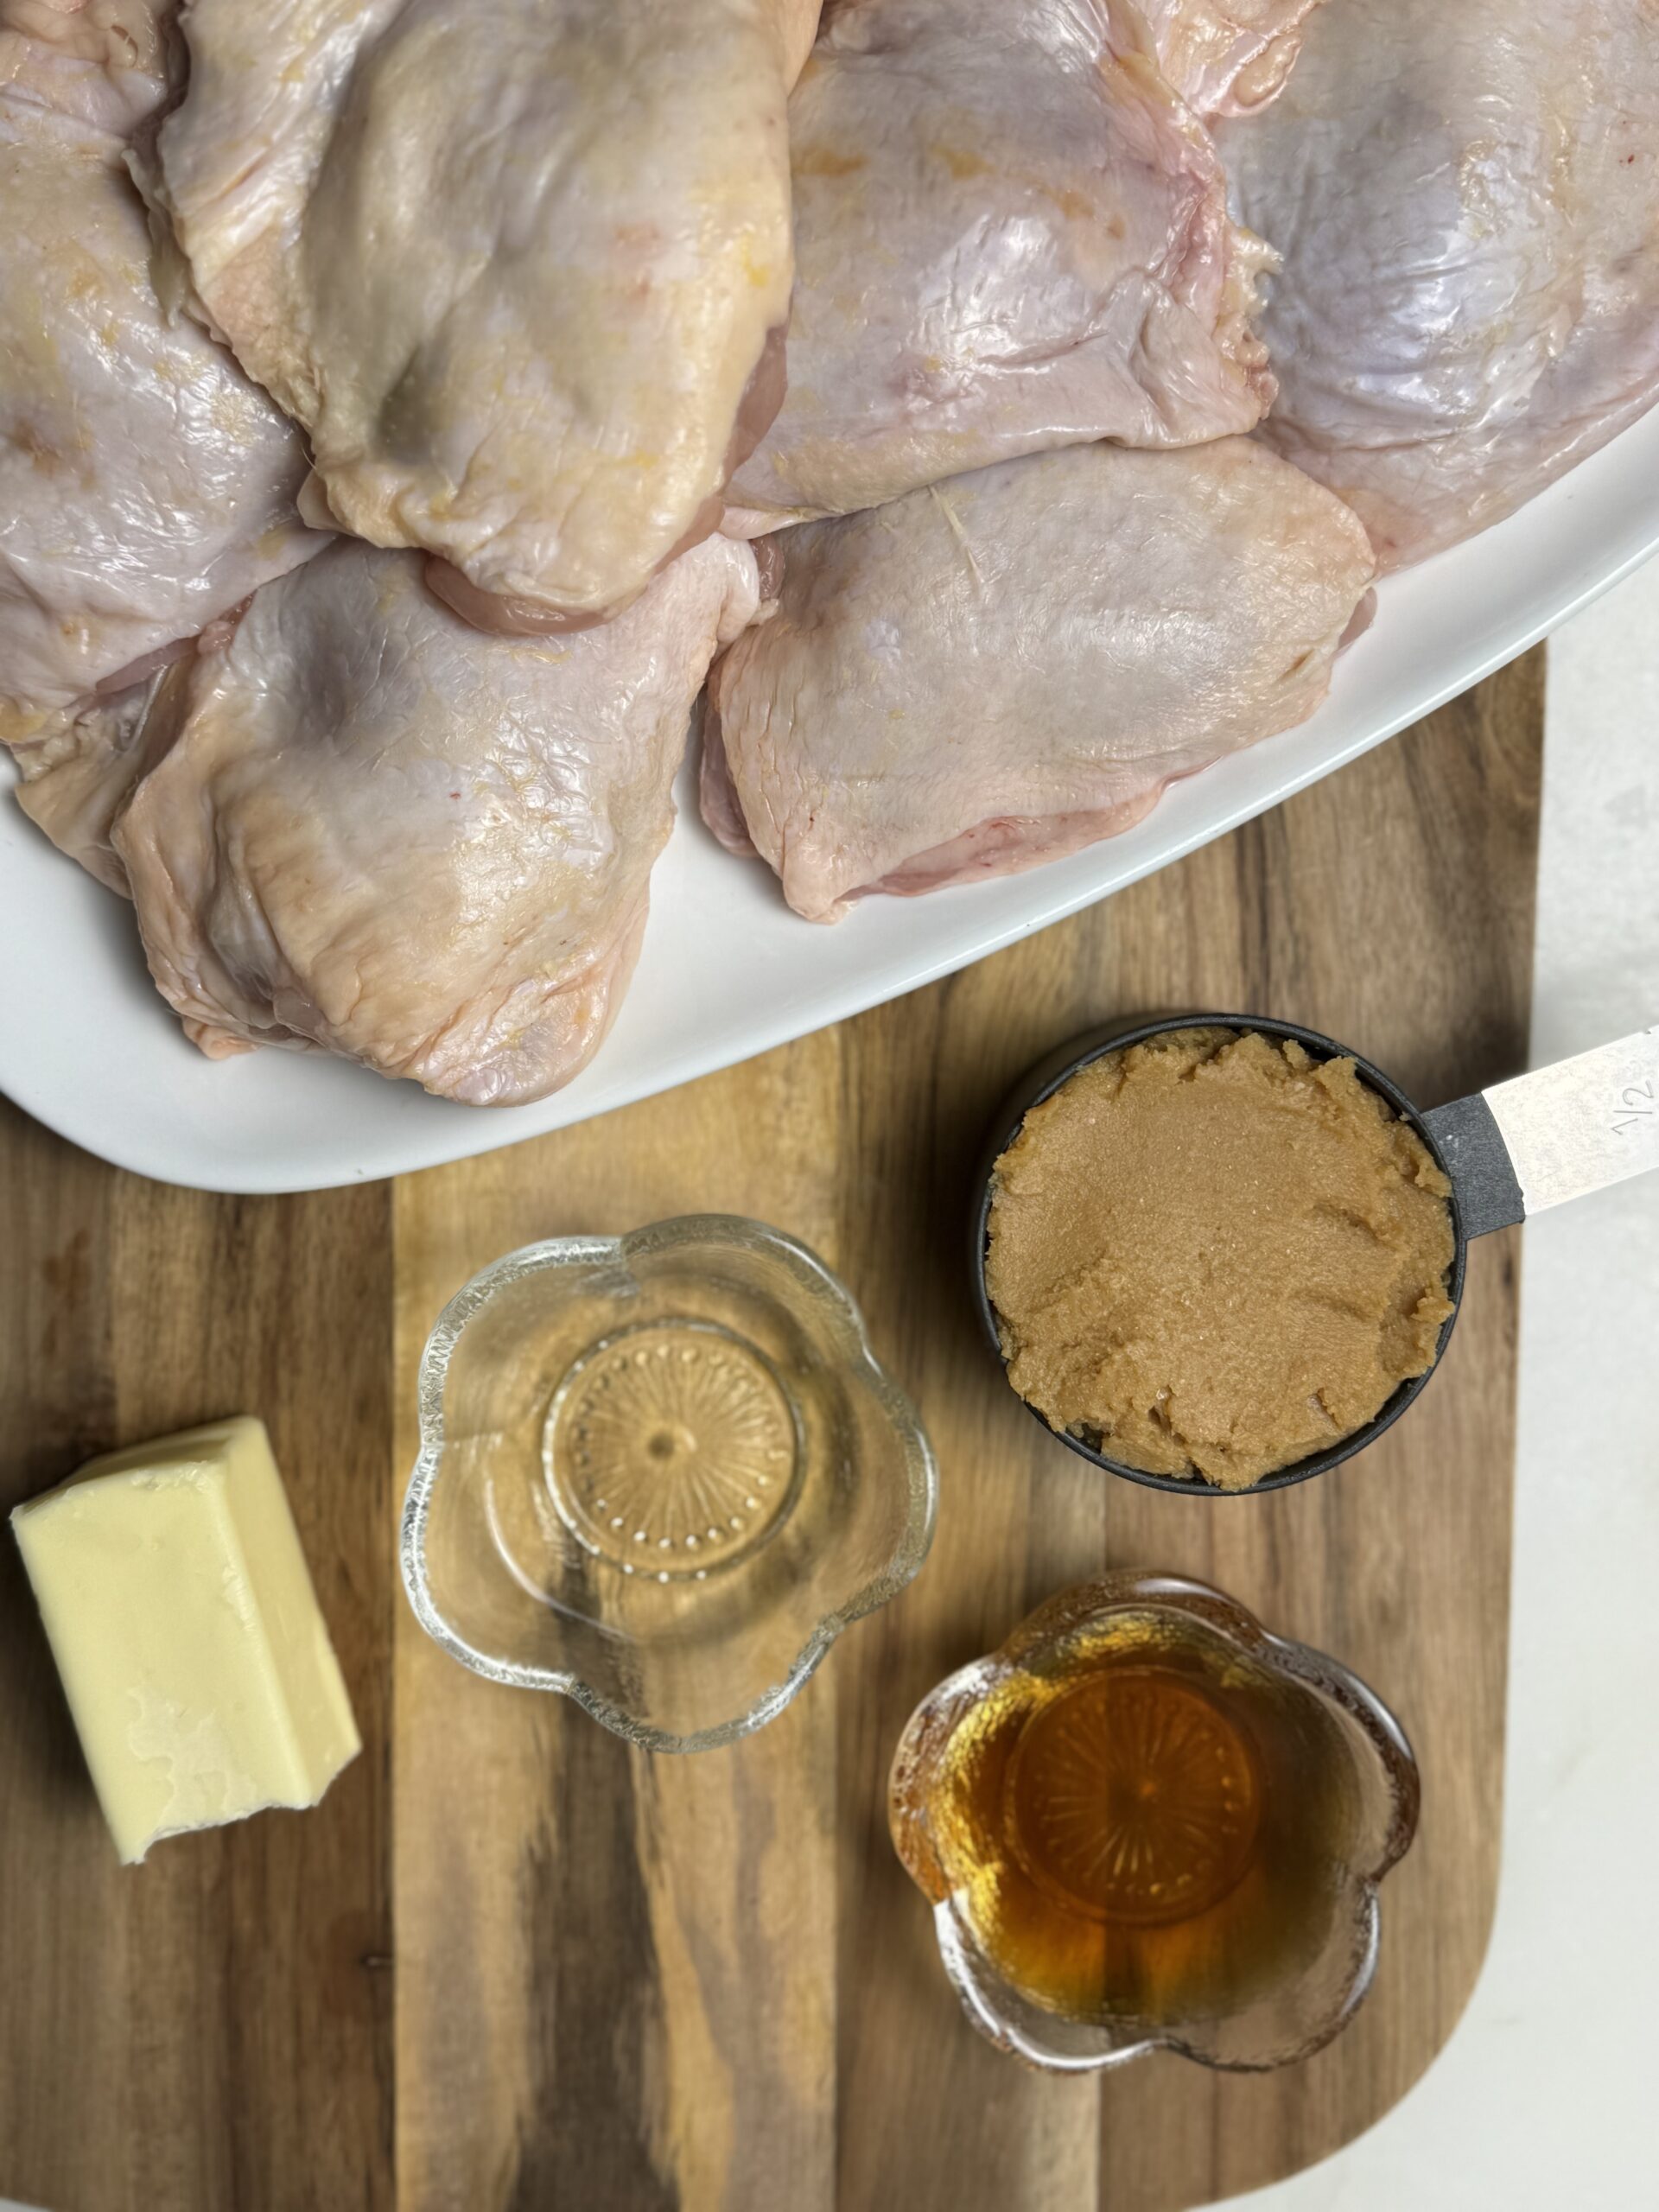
(1508, 1152)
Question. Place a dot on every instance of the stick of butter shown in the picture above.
(186, 1631)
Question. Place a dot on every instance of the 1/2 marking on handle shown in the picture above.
(1639, 1101)
(1583, 1123)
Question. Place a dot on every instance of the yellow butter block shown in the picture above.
(183, 1621)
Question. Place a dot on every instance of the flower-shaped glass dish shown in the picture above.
(660, 1473)
(1145, 1823)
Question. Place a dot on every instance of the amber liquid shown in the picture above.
(1146, 1829)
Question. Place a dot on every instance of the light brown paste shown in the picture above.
(1210, 1255)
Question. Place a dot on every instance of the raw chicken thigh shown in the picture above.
(102, 60)
(520, 267)
(1465, 197)
(1227, 57)
(510, 279)
(363, 826)
(1009, 235)
(798, 27)
(997, 670)
(146, 485)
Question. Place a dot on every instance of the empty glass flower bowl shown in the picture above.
(1145, 1823)
(660, 1473)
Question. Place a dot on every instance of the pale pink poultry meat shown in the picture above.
(1227, 57)
(77, 778)
(520, 268)
(362, 826)
(145, 484)
(798, 28)
(1467, 200)
(993, 672)
(1010, 234)
(102, 61)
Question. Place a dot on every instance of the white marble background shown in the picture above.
(1544, 2098)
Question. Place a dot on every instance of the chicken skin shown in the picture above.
(1464, 200)
(362, 826)
(996, 670)
(1010, 235)
(146, 485)
(104, 62)
(520, 268)
(1227, 57)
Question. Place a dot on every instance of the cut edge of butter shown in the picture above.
(186, 1630)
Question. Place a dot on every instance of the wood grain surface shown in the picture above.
(212, 2030)
(510, 1965)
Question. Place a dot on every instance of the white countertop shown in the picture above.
(1541, 2099)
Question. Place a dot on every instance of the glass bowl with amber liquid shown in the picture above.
(1147, 1823)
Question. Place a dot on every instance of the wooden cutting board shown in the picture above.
(510, 1963)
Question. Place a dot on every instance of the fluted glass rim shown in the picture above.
(1321, 1676)
(918, 1469)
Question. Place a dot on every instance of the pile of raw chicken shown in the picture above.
(991, 408)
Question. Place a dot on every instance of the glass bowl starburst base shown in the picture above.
(660, 1473)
